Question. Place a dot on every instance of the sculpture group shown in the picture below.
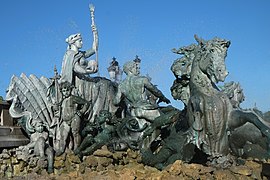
(76, 111)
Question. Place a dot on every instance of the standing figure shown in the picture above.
(72, 110)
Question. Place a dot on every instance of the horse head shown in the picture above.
(180, 90)
(212, 58)
(234, 92)
(182, 66)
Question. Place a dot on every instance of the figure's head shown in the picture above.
(182, 66)
(75, 40)
(131, 67)
(180, 90)
(38, 125)
(104, 116)
(66, 89)
(234, 92)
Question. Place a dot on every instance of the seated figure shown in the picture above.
(39, 145)
(133, 90)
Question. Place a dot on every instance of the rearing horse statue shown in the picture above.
(210, 113)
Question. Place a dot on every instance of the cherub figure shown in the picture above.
(72, 109)
(39, 145)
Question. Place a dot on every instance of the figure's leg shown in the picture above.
(50, 158)
(70, 141)
(87, 141)
(144, 116)
(151, 159)
(75, 128)
(161, 121)
(39, 148)
(97, 145)
(239, 118)
(145, 142)
(63, 132)
(153, 131)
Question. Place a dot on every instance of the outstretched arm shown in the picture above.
(154, 90)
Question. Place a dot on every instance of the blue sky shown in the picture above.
(33, 34)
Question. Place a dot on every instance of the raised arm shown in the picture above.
(89, 53)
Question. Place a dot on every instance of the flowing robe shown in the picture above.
(99, 90)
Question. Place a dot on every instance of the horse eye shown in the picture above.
(212, 50)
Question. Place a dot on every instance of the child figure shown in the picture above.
(72, 108)
(39, 144)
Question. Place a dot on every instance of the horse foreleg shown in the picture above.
(239, 118)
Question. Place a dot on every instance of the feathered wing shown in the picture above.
(31, 93)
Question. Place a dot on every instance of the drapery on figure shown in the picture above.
(75, 70)
(74, 61)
